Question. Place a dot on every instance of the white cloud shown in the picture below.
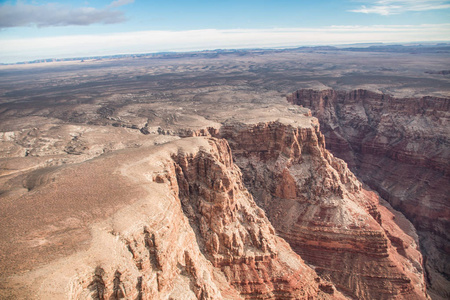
(118, 3)
(14, 50)
(53, 14)
(392, 7)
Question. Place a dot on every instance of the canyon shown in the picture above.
(321, 209)
(400, 148)
(196, 231)
(194, 178)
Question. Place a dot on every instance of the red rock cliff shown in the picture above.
(194, 232)
(321, 209)
(235, 234)
(401, 148)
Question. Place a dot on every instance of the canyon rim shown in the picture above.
(208, 177)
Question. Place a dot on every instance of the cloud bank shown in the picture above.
(393, 7)
(53, 14)
(14, 50)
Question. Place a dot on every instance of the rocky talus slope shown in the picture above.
(366, 249)
(400, 147)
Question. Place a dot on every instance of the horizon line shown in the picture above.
(34, 48)
(343, 46)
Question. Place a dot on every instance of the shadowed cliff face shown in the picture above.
(401, 148)
(321, 209)
(234, 233)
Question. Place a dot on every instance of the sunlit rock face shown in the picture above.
(185, 228)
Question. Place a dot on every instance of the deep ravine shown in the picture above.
(400, 147)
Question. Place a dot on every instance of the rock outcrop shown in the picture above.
(400, 147)
(322, 210)
(190, 230)
(234, 233)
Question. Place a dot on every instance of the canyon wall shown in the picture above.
(234, 233)
(325, 214)
(167, 216)
(400, 147)
(190, 230)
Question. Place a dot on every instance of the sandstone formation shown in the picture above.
(235, 234)
(176, 222)
(401, 148)
(325, 214)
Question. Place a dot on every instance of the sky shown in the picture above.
(37, 29)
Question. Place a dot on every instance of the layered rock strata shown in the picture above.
(312, 199)
(187, 229)
(401, 148)
(233, 231)
(160, 217)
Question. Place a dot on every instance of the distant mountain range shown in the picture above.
(374, 47)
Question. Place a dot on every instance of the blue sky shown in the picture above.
(44, 29)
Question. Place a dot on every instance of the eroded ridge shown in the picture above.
(194, 232)
(322, 210)
(234, 232)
